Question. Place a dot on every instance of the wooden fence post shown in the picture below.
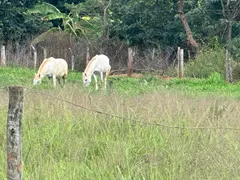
(14, 145)
(180, 63)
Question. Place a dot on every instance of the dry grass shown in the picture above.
(63, 141)
(139, 75)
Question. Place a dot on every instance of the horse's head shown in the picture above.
(86, 79)
(37, 78)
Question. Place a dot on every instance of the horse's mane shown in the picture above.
(43, 63)
(90, 62)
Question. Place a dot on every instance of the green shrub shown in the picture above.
(215, 79)
(236, 71)
(207, 62)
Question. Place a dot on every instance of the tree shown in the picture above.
(105, 5)
(144, 24)
(190, 40)
(75, 22)
(15, 26)
(230, 10)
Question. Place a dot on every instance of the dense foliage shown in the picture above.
(137, 22)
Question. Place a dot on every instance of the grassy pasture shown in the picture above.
(64, 141)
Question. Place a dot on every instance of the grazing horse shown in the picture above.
(99, 63)
(52, 68)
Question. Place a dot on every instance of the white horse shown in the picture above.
(99, 63)
(52, 68)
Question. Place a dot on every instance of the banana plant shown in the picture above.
(85, 26)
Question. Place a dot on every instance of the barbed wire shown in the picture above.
(124, 118)
(132, 120)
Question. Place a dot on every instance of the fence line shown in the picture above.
(132, 120)
(124, 118)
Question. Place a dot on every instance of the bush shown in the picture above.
(207, 62)
(236, 71)
(215, 79)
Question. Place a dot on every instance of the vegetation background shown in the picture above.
(153, 28)
(155, 126)
(145, 128)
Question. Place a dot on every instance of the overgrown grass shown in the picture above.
(214, 84)
(63, 141)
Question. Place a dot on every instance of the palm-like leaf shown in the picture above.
(56, 15)
(44, 8)
(87, 27)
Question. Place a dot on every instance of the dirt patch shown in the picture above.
(134, 75)
(139, 75)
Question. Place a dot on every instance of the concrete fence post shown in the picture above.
(72, 59)
(180, 63)
(3, 56)
(34, 57)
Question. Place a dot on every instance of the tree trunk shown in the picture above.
(190, 40)
(105, 19)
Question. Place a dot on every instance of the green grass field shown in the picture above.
(154, 129)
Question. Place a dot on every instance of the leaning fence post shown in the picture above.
(14, 145)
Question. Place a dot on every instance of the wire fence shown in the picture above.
(5, 88)
(203, 154)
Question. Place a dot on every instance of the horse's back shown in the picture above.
(103, 62)
(62, 63)
(59, 66)
(103, 59)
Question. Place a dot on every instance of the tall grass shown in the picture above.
(64, 141)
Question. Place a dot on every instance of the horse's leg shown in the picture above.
(105, 79)
(54, 80)
(58, 79)
(64, 79)
(95, 78)
(101, 75)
